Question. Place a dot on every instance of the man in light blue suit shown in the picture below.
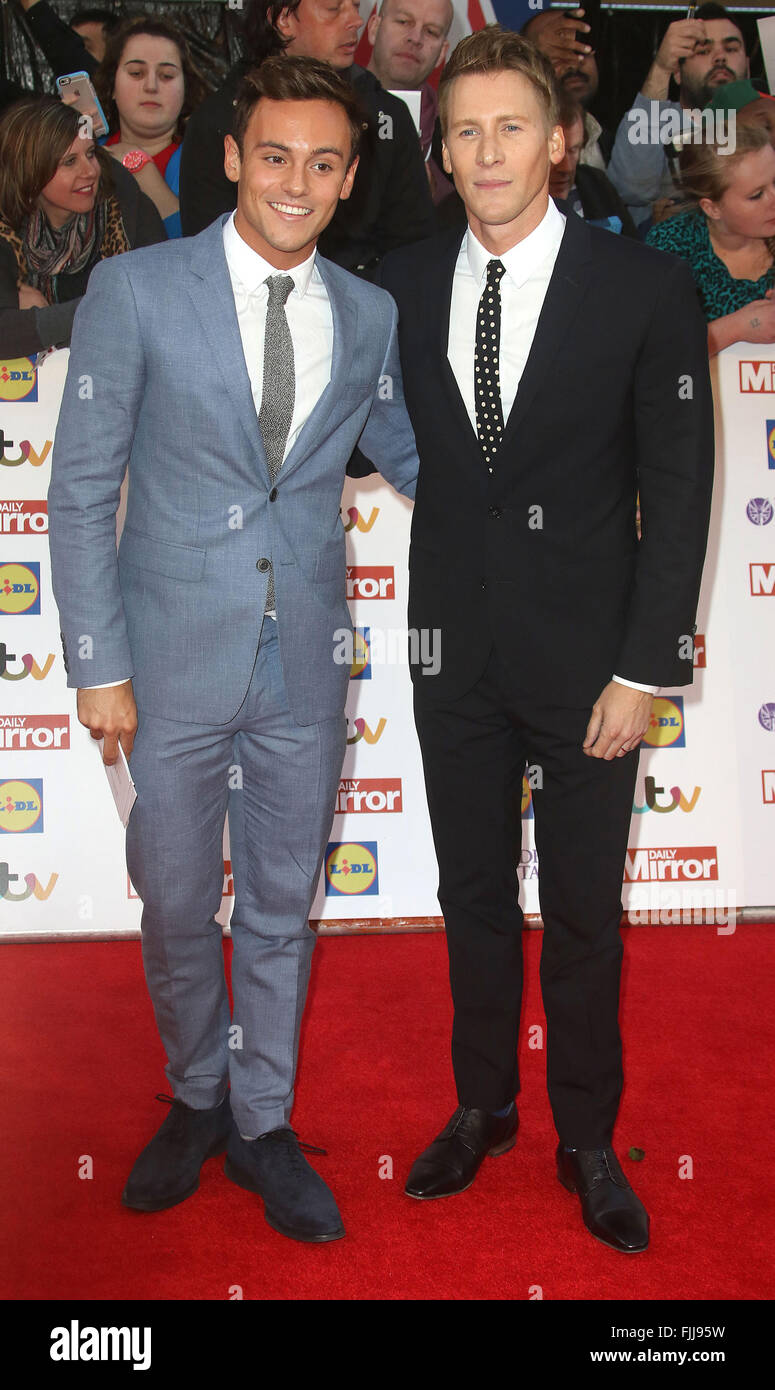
(233, 373)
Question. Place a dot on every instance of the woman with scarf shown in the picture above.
(64, 205)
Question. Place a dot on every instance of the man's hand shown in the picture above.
(619, 719)
(30, 298)
(555, 35)
(110, 713)
(679, 41)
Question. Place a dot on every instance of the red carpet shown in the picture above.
(83, 1061)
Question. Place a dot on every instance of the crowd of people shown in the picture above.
(70, 197)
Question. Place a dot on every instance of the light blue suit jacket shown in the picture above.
(157, 382)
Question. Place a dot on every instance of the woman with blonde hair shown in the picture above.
(726, 231)
(63, 208)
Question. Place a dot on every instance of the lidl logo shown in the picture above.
(351, 869)
(21, 807)
(361, 667)
(771, 443)
(18, 380)
(19, 588)
(666, 725)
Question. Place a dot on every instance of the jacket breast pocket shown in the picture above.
(174, 561)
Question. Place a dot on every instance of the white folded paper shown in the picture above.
(120, 783)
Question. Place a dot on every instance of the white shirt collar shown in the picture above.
(251, 270)
(524, 258)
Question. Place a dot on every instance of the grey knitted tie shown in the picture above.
(279, 387)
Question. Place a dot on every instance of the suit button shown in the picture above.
(484, 584)
(262, 565)
(495, 512)
(273, 495)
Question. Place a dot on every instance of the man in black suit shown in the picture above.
(551, 372)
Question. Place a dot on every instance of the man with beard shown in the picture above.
(560, 36)
(701, 54)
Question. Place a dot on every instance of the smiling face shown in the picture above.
(747, 206)
(324, 29)
(73, 188)
(499, 149)
(409, 38)
(149, 87)
(292, 172)
(717, 59)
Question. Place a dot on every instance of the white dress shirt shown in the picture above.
(528, 266)
(310, 321)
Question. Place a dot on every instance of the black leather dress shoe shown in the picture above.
(297, 1202)
(167, 1170)
(450, 1164)
(609, 1206)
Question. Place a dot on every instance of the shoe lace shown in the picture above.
(288, 1136)
(176, 1116)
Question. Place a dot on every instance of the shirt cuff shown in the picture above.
(636, 685)
(106, 684)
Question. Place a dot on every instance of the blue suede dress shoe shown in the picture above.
(167, 1170)
(297, 1202)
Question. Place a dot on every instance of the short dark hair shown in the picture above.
(261, 37)
(713, 11)
(571, 110)
(296, 79)
(109, 21)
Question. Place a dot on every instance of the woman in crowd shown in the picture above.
(63, 207)
(727, 233)
(148, 86)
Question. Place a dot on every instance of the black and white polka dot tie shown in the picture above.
(487, 384)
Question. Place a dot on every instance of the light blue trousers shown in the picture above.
(278, 780)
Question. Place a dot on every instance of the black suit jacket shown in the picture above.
(542, 558)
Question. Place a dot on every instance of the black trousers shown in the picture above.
(474, 753)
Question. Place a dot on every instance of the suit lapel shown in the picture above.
(561, 303)
(563, 297)
(440, 284)
(344, 314)
(213, 300)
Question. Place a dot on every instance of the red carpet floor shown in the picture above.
(82, 1063)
